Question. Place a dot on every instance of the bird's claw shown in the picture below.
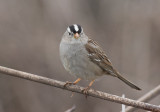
(68, 83)
(85, 91)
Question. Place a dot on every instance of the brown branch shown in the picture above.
(146, 98)
(78, 89)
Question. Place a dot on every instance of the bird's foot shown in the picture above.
(68, 83)
(85, 91)
(72, 83)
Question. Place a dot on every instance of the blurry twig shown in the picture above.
(146, 98)
(123, 106)
(78, 89)
(150, 111)
(72, 109)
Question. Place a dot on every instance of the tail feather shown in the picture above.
(128, 82)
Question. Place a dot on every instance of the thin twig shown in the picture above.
(146, 98)
(72, 109)
(123, 106)
(78, 89)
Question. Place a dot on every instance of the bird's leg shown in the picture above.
(85, 90)
(72, 83)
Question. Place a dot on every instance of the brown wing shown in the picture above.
(97, 56)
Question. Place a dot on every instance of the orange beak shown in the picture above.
(76, 36)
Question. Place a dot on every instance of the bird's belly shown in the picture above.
(79, 65)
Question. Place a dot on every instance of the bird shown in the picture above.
(83, 58)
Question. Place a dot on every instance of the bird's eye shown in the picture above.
(69, 33)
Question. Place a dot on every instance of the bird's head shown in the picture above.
(74, 31)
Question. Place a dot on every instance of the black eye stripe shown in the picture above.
(80, 29)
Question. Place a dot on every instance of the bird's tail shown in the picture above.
(127, 82)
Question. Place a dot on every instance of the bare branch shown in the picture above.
(123, 106)
(78, 89)
(146, 98)
(72, 109)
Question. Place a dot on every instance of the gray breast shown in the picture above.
(75, 60)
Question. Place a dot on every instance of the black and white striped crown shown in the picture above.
(75, 28)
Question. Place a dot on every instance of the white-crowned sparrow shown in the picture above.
(84, 58)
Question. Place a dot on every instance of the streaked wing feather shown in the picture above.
(97, 56)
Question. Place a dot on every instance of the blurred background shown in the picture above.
(30, 33)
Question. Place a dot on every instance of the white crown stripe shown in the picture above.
(76, 27)
(69, 30)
